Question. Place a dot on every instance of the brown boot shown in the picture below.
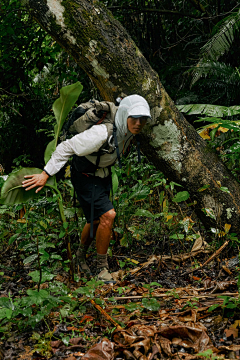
(81, 260)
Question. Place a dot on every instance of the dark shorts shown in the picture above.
(92, 189)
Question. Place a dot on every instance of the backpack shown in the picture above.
(86, 115)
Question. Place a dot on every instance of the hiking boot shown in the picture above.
(105, 276)
(80, 262)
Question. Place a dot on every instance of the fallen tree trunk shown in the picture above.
(105, 51)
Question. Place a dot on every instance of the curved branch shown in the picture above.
(171, 12)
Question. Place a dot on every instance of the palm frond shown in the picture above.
(219, 44)
(209, 110)
(217, 71)
(223, 38)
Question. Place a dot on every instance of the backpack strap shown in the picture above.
(116, 144)
(102, 118)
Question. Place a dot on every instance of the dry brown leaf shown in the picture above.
(189, 315)
(101, 351)
(191, 337)
(231, 331)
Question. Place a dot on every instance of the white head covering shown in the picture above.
(133, 105)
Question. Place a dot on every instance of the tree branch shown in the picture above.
(171, 12)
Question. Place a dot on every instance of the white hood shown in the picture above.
(131, 105)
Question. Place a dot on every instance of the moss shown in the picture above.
(54, 26)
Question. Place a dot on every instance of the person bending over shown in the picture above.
(92, 185)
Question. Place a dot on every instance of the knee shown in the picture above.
(108, 217)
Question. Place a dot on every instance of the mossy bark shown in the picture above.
(105, 51)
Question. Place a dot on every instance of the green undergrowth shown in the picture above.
(149, 208)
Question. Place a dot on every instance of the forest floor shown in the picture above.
(158, 308)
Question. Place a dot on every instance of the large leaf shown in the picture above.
(220, 43)
(210, 110)
(114, 180)
(142, 212)
(181, 196)
(49, 150)
(61, 107)
(12, 191)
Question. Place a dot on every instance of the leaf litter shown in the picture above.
(148, 314)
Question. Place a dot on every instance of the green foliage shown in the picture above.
(208, 354)
(229, 306)
(61, 107)
(181, 196)
(12, 191)
(151, 304)
(209, 110)
(221, 41)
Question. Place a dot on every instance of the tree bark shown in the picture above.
(105, 51)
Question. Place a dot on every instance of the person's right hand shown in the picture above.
(34, 181)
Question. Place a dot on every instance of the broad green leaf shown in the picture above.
(132, 307)
(124, 240)
(51, 147)
(140, 192)
(9, 313)
(114, 180)
(142, 212)
(3, 313)
(151, 304)
(12, 191)
(181, 196)
(206, 354)
(176, 236)
(46, 276)
(13, 238)
(61, 107)
(213, 307)
(154, 283)
(5, 302)
(225, 189)
(231, 306)
(30, 258)
(69, 212)
(37, 297)
(235, 147)
(66, 340)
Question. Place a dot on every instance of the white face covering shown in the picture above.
(131, 105)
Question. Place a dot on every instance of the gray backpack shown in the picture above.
(86, 115)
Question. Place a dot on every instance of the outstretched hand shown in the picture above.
(34, 181)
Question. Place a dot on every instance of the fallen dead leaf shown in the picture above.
(101, 351)
(191, 337)
(231, 332)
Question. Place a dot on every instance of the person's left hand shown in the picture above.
(34, 181)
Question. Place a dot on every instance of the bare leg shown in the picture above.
(103, 237)
(103, 234)
(85, 236)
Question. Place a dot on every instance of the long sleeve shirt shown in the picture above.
(84, 144)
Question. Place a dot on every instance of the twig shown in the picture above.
(208, 261)
(108, 317)
(169, 295)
